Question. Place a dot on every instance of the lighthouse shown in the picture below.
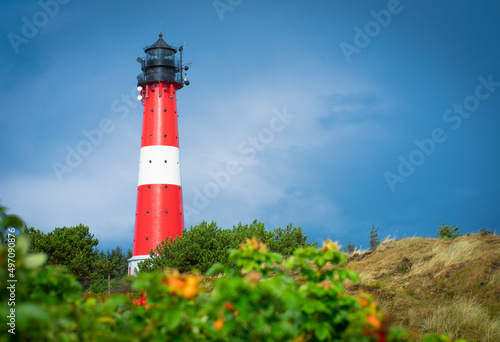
(159, 213)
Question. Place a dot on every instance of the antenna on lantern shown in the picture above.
(183, 68)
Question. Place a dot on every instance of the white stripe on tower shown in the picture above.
(159, 164)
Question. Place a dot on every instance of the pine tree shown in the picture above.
(447, 232)
(73, 247)
(349, 248)
(374, 242)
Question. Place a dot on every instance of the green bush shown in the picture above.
(76, 248)
(206, 244)
(485, 231)
(349, 248)
(374, 241)
(73, 247)
(279, 240)
(447, 232)
(113, 263)
(199, 248)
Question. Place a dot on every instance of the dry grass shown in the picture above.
(463, 317)
(444, 256)
(429, 284)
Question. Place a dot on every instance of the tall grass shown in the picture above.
(464, 318)
(430, 285)
(454, 253)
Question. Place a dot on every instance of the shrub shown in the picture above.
(485, 231)
(374, 241)
(206, 244)
(113, 263)
(279, 240)
(73, 247)
(447, 232)
(198, 248)
(349, 248)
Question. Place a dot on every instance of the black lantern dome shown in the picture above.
(161, 65)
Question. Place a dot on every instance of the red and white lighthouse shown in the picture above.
(159, 213)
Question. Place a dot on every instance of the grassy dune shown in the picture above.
(430, 285)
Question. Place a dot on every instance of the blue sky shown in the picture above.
(336, 115)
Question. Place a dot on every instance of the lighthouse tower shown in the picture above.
(159, 212)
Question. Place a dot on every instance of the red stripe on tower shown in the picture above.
(159, 195)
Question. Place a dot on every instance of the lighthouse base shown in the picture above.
(133, 263)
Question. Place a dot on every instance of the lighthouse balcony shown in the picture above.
(158, 77)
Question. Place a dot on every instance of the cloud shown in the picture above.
(279, 176)
(328, 123)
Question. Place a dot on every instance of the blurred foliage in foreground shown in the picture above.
(254, 300)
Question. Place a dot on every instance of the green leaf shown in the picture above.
(322, 332)
(27, 313)
(309, 307)
(351, 275)
(33, 261)
(320, 261)
(22, 245)
(215, 269)
(12, 221)
(436, 338)
(311, 325)
(91, 302)
(290, 262)
(172, 319)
